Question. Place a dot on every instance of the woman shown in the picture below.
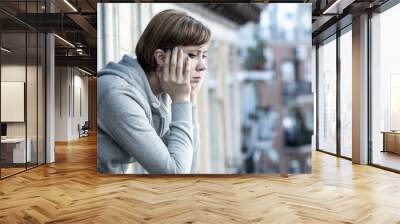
(147, 106)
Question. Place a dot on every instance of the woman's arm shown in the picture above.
(125, 121)
(196, 140)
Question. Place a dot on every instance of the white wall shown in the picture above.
(33, 126)
(70, 83)
(61, 103)
(16, 73)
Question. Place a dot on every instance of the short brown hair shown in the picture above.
(166, 30)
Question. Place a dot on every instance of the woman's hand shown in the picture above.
(175, 77)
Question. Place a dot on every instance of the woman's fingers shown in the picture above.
(166, 65)
(179, 66)
(186, 75)
(172, 70)
(178, 89)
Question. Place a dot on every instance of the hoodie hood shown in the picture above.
(130, 70)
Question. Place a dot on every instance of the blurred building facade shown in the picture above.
(281, 83)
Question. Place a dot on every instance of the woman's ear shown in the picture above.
(159, 56)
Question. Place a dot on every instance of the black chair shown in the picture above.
(84, 130)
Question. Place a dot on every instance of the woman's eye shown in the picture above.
(204, 56)
(191, 55)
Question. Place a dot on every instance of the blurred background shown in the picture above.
(256, 105)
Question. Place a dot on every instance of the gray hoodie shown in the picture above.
(136, 126)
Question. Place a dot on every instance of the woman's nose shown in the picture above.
(201, 66)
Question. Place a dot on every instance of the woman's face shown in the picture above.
(198, 56)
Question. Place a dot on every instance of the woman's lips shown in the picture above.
(195, 79)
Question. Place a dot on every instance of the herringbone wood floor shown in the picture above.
(70, 191)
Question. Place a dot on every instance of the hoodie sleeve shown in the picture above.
(125, 121)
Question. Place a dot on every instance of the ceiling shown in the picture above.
(76, 22)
